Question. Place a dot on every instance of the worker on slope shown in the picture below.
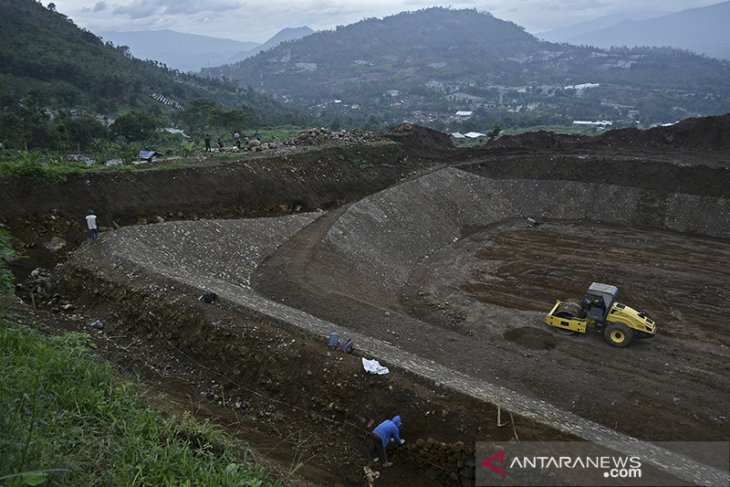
(381, 435)
(91, 224)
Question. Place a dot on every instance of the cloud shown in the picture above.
(257, 20)
(139, 9)
(574, 5)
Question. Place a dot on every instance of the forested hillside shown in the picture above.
(425, 65)
(48, 64)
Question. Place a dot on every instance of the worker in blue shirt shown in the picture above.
(381, 435)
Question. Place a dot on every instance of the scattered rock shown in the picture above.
(55, 244)
(97, 325)
(322, 136)
(88, 161)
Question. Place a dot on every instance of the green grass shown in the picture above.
(51, 167)
(67, 419)
(7, 254)
(40, 164)
(463, 143)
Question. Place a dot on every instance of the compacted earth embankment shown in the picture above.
(35, 209)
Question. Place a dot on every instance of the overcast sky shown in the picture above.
(256, 20)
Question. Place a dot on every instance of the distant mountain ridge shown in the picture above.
(186, 52)
(284, 35)
(704, 30)
(192, 52)
(424, 66)
(570, 31)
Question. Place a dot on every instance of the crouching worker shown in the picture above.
(385, 431)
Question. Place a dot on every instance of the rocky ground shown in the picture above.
(476, 306)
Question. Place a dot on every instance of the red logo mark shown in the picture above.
(488, 463)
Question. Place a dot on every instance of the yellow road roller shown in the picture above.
(600, 311)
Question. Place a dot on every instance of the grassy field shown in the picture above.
(68, 419)
(54, 165)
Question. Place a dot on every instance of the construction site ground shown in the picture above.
(452, 256)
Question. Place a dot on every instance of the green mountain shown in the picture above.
(284, 35)
(47, 61)
(424, 66)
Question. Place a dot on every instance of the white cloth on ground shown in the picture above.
(374, 367)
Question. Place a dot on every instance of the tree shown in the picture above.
(195, 116)
(84, 130)
(24, 123)
(200, 114)
(135, 126)
(232, 119)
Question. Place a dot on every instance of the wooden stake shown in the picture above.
(514, 428)
(499, 414)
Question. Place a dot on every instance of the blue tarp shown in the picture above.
(147, 154)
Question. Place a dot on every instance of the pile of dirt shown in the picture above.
(416, 136)
(541, 139)
(457, 456)
(322, 136)
(708, 133)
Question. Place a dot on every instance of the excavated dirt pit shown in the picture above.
(443, 278)
(495, 287)
(464, 278)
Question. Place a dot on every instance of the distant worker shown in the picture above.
(257, 135)
(381, 435)
(91, 224)
(237, 137)
(207, 143)
(220, 144)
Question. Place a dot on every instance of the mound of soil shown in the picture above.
(708, 133)
(537, 140)
(419, 137)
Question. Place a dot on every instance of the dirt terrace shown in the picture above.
(440, 274)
